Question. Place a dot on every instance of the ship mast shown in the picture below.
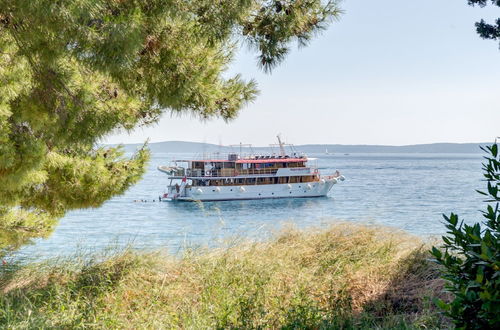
(282, 146)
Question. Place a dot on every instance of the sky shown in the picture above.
(392, 72)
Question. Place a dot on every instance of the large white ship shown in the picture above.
(239, 177)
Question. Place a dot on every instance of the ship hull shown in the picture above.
(249, 192)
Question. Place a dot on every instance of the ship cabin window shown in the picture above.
(221, 165)
(303, 178)
(198, 165)
(261, 166)
(255, 181)
(265, 180)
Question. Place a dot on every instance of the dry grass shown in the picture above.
(347, 276)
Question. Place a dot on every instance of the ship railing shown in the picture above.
(230, 172)
(223, 156)
(255, 171)
(336, 175)
(232, 156)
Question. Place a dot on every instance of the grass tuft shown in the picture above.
(346, 276)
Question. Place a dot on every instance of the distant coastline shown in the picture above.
(197, 147)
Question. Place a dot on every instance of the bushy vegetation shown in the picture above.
(345, 276)
(471, 258)
(73, 72)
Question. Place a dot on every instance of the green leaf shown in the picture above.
(441, 304)
(480, 275)
(436, 252)
(494, 150)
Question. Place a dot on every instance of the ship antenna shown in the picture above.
(281, 144)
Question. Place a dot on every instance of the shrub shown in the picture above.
(471, 258)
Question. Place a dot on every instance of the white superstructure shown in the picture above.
(251, 177)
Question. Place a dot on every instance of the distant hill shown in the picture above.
(197, 147)
(416, 148)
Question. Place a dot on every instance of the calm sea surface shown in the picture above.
(407, 191)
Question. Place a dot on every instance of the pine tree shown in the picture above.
(73, 71)
(485, 30)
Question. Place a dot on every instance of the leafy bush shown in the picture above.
(471, 258)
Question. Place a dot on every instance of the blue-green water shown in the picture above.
(407, 191)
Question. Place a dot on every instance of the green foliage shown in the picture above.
(485, 30)
(72, 72)
(471, 259)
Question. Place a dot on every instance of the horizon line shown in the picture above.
(306, 144)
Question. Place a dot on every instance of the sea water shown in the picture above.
(405, 191)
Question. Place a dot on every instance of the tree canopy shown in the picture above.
(485, 30)
(73, 71)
